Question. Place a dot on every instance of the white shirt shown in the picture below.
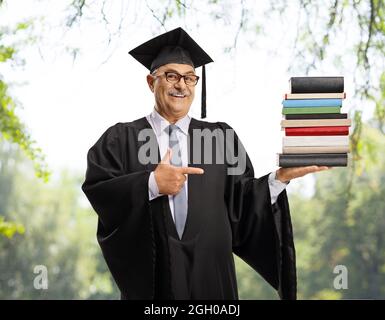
(159, 124)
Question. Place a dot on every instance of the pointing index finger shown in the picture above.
(191, 170)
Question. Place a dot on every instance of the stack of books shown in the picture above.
(316, 132)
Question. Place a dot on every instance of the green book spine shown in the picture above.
(305, 110)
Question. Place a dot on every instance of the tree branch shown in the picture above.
(161, 21)
(241, 23)
(78, 5)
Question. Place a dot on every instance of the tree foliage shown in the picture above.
(342, 223)
(11, 127)
(337, 228)
(59, 234)
(331, 228)
(336, 31)
(8, 229)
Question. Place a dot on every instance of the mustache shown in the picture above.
(185, 93)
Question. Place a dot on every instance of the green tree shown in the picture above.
(8, 156)
(350, 36)
(12, 128)
(59, 234)
(343, 224)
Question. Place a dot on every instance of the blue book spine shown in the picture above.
(312, 103)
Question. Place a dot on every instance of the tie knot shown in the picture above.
(172, 128)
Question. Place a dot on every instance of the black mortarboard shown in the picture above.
(175, 46)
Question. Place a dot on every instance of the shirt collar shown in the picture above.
(161, 123)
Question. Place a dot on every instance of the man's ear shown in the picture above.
(150, 82)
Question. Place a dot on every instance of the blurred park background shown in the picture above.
(65, 77)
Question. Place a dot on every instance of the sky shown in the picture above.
(68, 104)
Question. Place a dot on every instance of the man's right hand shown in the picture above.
(169, 178)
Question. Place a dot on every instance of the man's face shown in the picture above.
(172, 99)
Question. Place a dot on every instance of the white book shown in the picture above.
(314, 141)
(299, 96)
(317, 149)
(315, 123)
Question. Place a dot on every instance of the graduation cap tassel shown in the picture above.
(203, 111)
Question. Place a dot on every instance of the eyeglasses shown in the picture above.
(174, 77)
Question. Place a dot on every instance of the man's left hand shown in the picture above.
(286, 174)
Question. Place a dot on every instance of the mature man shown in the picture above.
(168, 229)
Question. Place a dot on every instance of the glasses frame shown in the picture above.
(179, 77)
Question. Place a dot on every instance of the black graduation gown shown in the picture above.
(226, 214)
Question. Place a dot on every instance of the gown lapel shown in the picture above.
(195, 214)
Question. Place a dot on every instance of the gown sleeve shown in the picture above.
(120, 199)
(262, 232)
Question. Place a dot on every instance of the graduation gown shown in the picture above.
(226, 214)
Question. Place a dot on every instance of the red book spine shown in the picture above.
(318, 131)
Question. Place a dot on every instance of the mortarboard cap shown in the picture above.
(175, 46)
